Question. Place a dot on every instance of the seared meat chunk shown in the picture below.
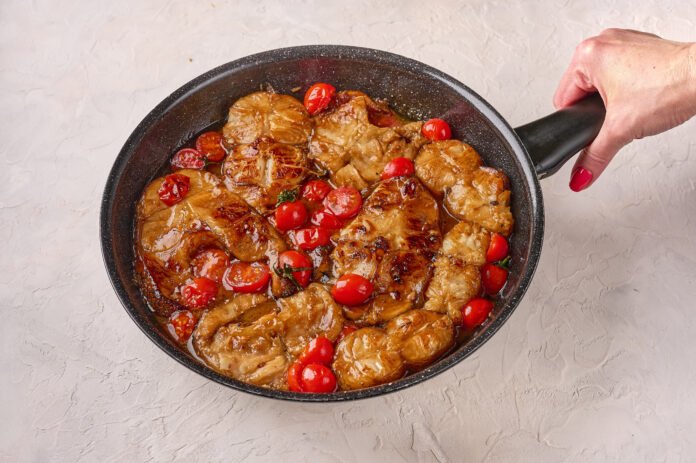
(468, 241)
(441, 164)
(421, 336)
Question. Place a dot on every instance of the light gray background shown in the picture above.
(597, 363)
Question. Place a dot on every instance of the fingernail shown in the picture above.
(581, 179)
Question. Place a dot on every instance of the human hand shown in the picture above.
(648, 85)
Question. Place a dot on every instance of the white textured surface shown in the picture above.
(597, 363)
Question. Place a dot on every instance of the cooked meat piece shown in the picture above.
(349, 176)
(421, 336)
(308, 314)
(441, 164)
(392, 242)
(468, 242)
(264, 114)
(260, 171)
(150, 202)
(365, 358)
(486, 201)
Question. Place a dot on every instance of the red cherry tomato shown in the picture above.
(174, 188)
(352, 289)
(209, 144)
(344, 202)
(295, 377)
(325, 219)
(291, 260)
(316, 190)
(319, 350)
(475, 312)
(347, 329)
(188, 158)
(290, 215)
(211, 264)
(182, 323)
(398, 167)
(243, 277)
(436, 129)
(198, 293)
(318, 97)
(313, 237)
(498, 248)
(318, 378)
(493, 278)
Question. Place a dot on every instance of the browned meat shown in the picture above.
(441, 164)
(421, 336)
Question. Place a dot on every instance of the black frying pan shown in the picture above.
(525, 154)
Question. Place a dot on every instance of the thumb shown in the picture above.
(595, 158)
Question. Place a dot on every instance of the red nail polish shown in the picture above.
(581, 179)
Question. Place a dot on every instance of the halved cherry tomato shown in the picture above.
(347, 329)
(344, 202)
(313, 237)
(174, 188)
(318, 378)
(436, 129)
(475, 312)
(198, 293)
(209, 144)
(398, 167)
(325, 219)
(243, 277)
(182, 323)
(493, 278)
(188, 158)
(295, 377)
(288, 264)
(290, 215)
(318, 97)
(498, 248)
(211, 264)
(352, 289)
(316, 190)
(319, 350)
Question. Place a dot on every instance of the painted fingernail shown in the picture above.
(581, 179)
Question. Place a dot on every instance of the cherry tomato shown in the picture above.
(318, 97)
(475, 312)
(498, 248)
(188, 158)
(313, 237)
(209, 144)
(344, 202)
(316, 190)
(198, 293)
(174, 188)
(243, 277)
(352, 289)
(289, 261)
(436, 129)
(318, 378)
(347, 329)
(211, 264)
(493, 278)
(398, 167)
(290, 215)
(319, 350)
(182, 323)
(325, 219)
(295, 377)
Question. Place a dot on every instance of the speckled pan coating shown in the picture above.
(413, 88)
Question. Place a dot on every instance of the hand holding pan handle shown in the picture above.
(554, 139)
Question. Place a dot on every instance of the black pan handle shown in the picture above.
(554, 139)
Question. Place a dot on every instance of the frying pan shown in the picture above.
(416, 90)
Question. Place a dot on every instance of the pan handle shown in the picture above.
(554, 139)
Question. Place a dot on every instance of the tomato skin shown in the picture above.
(295, 377)
(211, 264)
(290, 215)
(188, 158)
(344, 202)
(347, 329)
(398, 167)
(319, 350)
(475, 312)
(436, 129)
(295, 259)
(198, 293)
(182, 323)
(352, 289)
(493, 278)
(313, 237)
(318, 379)
(174, 188)
(318, 97)
(316, 190)
(209, 144)
(498, 248)
(324, 218)
(243, 277)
